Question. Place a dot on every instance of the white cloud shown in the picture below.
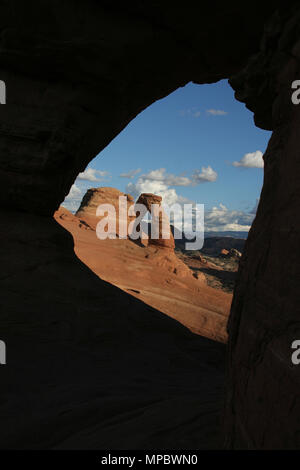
(91, 174)
(159, 188)
(130, 174)
(74, 192)
(193, 112)
(159, 182)
(167, 178)
(73, 199)
(206, 175)
(251, 160)
(216, 112)
(219, 218)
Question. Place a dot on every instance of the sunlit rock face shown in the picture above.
(160, 234)
(76, 74)
(111, 206)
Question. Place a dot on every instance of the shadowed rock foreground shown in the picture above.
(91, 367)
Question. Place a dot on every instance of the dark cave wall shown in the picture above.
(76, 74)
(263, 408)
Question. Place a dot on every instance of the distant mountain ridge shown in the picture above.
(214, 242)
(214, 245)
(232, 234)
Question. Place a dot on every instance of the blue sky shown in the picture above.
(197, 144)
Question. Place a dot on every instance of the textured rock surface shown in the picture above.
(160, 235)
(155, 276)
(263, 406)
(224, 252)
(233, 253)
(214, 245)
(98, 196)
(220, 271)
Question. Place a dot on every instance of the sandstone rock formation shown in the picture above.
(95, 197)
(154, 275)
(220, 271)
(160, 235)
(199, 257)
(232, 253)
(214, 245)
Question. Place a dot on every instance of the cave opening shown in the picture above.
(198, 145)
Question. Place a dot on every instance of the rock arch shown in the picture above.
(163, 238)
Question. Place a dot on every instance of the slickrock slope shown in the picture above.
(152, 274)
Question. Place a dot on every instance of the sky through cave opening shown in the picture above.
(198, 144)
